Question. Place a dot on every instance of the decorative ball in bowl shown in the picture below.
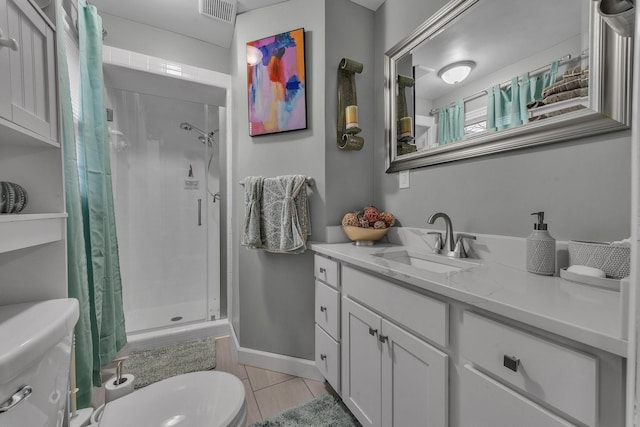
(368, 226)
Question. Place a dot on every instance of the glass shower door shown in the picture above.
(159, 179)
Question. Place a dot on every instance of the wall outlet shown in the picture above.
(403, 178)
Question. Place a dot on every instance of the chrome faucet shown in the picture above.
(448, 237)
(451, 248)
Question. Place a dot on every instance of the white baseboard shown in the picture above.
(279, 363)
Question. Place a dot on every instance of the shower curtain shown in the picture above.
(77, 260)
(94, 272)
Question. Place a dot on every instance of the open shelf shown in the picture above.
(549, 108)
(25, 230)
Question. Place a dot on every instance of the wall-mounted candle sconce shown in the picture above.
(348, 125)
(405, 122)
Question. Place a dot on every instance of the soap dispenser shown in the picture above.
(541, 249)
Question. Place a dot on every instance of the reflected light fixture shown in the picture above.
(456, 72)
(254, 55)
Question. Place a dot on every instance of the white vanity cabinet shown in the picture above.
(390, 376)
(28, 90)
(487, 403)
(327, 318)
(553, 374)
(415, 357)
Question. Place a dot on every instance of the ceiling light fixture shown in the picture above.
(456, 72)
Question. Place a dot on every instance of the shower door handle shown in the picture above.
(199, 212)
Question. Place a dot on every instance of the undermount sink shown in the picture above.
(429, 262)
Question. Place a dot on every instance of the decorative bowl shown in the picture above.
(364, 236)
(613, 260)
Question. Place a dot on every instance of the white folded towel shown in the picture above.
(624, 242)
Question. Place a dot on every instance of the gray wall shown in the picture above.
(350, 30)
(276, 291)
(583, 186)
(130, 35)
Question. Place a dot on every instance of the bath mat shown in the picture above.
(149, 366)
(324, 411)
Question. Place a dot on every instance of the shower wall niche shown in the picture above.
(166, 184)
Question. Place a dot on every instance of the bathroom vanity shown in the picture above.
(410, 338)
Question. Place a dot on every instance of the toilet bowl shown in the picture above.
(198, 399)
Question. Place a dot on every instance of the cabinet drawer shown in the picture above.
(328, 358)
(327, 270)
(328, 309)
(423, 315)
(560, 376)
(486, 403)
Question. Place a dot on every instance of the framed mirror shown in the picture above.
(537, 72)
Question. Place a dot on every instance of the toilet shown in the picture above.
(35, 352)
(198, 399)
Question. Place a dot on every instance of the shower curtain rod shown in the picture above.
(563, 60)
(308, 179)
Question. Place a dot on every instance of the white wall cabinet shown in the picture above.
(31, 94)
(5, 65)
(32, 242)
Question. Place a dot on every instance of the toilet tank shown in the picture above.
(35, 357)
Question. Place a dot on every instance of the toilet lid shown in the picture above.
(198, 399)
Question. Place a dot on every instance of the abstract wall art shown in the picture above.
(276, 83)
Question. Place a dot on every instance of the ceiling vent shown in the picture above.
(222, 10)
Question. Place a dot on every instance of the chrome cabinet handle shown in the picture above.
(18, 397)
(10, 43)
(372, 332)
(383, 338)
(511, 362)
(323, 308)
(323, 357)
(199, 212)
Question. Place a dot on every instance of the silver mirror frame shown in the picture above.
(610, 99)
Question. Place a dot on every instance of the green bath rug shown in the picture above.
(324, 411)
(150, 366)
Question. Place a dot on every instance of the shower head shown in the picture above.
(208, 138)
(189, 126)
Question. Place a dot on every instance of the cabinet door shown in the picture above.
(361, 356)
(33, 75)
(5, 68)
(487, 403)
(414, 380)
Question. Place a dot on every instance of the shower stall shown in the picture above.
(165, 161)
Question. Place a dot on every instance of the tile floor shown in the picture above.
(267, 392)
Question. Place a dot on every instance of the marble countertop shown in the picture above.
(582, 313)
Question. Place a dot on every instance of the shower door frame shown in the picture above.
(124, 59)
